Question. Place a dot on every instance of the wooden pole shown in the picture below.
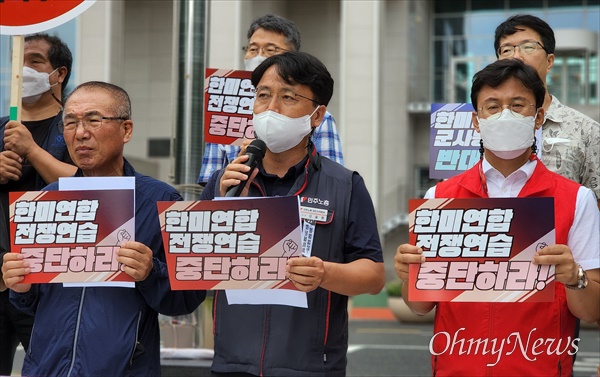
(16, 82)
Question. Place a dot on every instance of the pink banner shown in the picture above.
(231, 244)
(481, 249)
(72, 236)
(228, 106)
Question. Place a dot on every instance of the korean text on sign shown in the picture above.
(55, 222)
(230, 101)
(481, 249)
(453, 142)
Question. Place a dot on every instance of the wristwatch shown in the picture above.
(582, 280)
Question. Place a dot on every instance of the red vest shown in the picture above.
(508, 339)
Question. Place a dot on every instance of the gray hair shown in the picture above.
(277, 24)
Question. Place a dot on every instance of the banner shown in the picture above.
(72, 236)
(231, 244)
(481, 249)
(453, 142)
(228, 106)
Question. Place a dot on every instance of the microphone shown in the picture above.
(255, 152)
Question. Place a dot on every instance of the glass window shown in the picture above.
(521, 4)
(592, 20)
(439, 49)
(423, 182)
(463, 45)
(450, 6)
(481, 46)
(561, 3)
(487, 4)
(575, 80)
(564, 19)
(594, 80)
(482, 24)
(438, 89)
(445, 26)
(554, 78)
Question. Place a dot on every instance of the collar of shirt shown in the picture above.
(275, 186)
(507, 187)
(554, 111)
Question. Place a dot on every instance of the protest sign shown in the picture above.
(230, 244)
(72, 236)
(228, 105)
(453, 142)
(481, 249)
(19, 17)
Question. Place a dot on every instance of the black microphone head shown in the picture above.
(258, 148)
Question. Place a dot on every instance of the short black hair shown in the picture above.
(59, 54)
(501, 70)
(511, 26)
(296, 67)
(277, 24)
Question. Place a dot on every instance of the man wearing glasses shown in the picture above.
(103, 331)
(292, 92)
(267, 36)
(571, 140)
(517, 338)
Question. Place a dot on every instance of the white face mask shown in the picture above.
(254, 62)
(279, 132)
(35, 84)
(507, 135)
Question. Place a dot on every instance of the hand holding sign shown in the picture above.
(14, 269)
(136, 259)
(307, 274)
(560, 256)
(405, 255)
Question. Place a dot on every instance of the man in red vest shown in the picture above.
(516, 339)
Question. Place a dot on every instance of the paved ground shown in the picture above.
(382, 346)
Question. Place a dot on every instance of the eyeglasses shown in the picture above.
(268, 51)
(493, 109)
(90, 122)
(287, 97)
(526, 48)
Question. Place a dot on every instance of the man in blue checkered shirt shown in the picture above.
(270, 35)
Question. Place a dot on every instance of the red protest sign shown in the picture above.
(231, 244)
(480, 250)
(19, 17)
(72, 236)
(228, 104)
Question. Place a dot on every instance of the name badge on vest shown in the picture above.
(312, 216)
(308, 235)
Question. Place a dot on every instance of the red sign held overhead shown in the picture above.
(19, 17)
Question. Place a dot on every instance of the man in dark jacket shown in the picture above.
(103, 331)
(292, 91)
(32, 154)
